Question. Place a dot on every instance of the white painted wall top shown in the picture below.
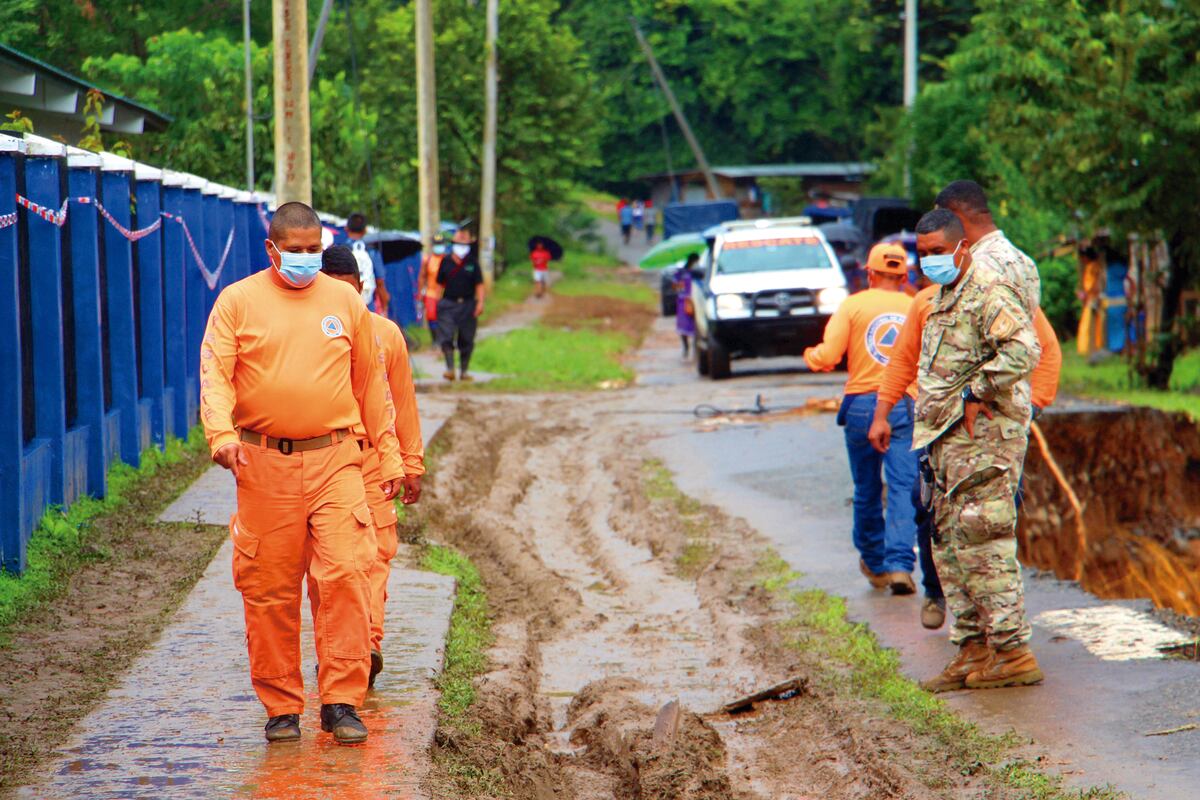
(39, 146)
(110, 162)
(11, 144)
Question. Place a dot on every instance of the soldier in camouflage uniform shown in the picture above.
(989, 246)
(973, 412)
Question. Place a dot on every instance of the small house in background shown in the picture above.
(54, 101)
(840, 181)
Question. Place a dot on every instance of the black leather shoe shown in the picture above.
(343, 722)
(283, 728)
(376, 667)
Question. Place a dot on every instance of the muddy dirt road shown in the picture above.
(609, 605)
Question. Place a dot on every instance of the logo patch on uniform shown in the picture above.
(881, 335)
(331, 326)
(1004, 325)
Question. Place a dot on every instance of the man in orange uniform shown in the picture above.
(338, 262)
(898, 377)
(427, 285)
(288, 367)
(866, 325)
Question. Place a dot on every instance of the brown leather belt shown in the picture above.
(289, 446)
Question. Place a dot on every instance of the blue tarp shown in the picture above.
(696, 217)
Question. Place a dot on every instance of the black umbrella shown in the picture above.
(556, 251)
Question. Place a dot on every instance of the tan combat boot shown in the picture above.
(876, 579)
(1015, 667)
(972, 656)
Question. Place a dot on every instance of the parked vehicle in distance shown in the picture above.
(763, 288)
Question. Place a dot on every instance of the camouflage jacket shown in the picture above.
(979, 335)
(1001, 256)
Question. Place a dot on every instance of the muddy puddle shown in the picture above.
(1135, 476)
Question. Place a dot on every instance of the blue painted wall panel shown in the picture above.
(122, 330)
(88, 355)
(13, 528)
(151, 332)
(174, 261)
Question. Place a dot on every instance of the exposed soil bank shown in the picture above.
(1136, 473)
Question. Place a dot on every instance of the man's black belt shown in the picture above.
(289, 446)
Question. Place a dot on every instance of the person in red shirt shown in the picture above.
(864, 329)
(539, 256)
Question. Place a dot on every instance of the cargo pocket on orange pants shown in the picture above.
(272, 636)
(345, 601)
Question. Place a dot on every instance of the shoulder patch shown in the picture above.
(1004, 326)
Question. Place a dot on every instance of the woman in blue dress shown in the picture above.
(685, 321)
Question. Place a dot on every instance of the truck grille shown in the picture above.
(783, 303)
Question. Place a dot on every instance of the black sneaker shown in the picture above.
(343, 722)
(376, 667)
(283, 728)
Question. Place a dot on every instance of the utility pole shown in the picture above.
(427, 143)
(487, 211)
(910, 78)
(318, 38)
(293, 148)
(249, 97)
(713, 187)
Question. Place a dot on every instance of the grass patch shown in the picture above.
(61, 544)
(698, 550)
(638, 293)
(470, 631)
(540, 358)
(1110, 379)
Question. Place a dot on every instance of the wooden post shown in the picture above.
(487, 210)
(427, 138)
(293, 157)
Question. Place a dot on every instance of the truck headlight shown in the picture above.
(731, 303)
(831, 297)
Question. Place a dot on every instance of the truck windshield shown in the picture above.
(773, 255)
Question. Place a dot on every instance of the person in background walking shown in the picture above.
(458, 310)
(685, 317)
(864, 329)
(428, 288)
(651, 214)
(639, 214)
(1090, 336)
(625, 217)
(539, 256)
(373, 291)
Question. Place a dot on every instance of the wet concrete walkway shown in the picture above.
(1106, 686)
(185, 723)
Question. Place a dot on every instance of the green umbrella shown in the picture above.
(671, 250)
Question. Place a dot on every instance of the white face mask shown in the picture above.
(461, 250)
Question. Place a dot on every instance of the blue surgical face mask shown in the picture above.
(298, 269)
(439, 249)
(461, 250)
(941, 269)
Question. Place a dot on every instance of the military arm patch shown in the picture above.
(1004, 326)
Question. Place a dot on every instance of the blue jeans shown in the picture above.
(885, 545)
(924, 518)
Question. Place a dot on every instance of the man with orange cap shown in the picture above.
(288, 367)
(863, 329)
(339, 262)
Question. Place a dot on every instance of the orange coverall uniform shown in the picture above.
(906, 353)
(402, 397)
(296, 364)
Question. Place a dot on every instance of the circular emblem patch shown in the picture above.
(331, 326)
(881, 335)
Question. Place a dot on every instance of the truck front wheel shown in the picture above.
(718, 360)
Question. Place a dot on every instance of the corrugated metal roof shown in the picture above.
(850, 169)
(29, 62)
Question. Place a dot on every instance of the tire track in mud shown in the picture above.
(595, 632)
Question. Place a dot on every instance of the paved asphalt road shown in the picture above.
(1105, 688)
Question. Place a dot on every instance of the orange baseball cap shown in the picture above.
(891, 259)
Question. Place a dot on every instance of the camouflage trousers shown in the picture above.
(975, 549)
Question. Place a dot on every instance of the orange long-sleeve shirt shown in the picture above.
(293, 364)
(906, 353)
(402, 394)
(864, 329)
